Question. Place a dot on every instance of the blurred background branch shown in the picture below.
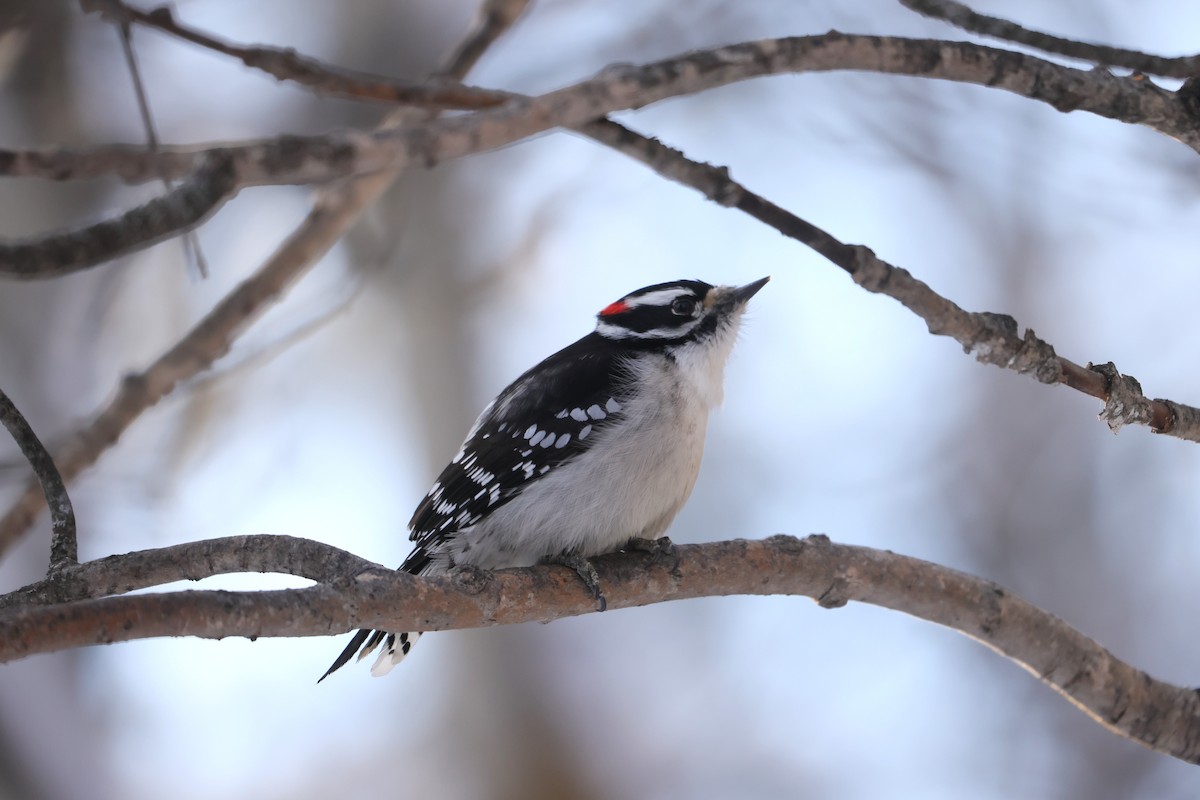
(64, 548)
(964, 17)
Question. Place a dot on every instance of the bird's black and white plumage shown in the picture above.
(598, 444)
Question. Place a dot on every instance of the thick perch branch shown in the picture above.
(1158, 715)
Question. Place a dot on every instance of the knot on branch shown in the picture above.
(867, 270)
(994, 340)
(1037, 358)
(1126, 405)
(1188, 96)
(721, 188)
(837, 595)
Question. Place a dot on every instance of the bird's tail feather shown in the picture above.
(394, 650)
(396, 647)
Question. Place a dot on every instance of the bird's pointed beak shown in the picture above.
(744, 293)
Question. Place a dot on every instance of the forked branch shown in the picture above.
(1161, 716)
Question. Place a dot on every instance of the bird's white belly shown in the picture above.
(591, 506)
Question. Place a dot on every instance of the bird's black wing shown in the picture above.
(535, 425)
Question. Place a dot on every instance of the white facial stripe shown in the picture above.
(662, 297)
(611, 331)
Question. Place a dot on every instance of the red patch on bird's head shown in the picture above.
(614, 308)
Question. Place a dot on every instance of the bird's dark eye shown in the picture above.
(684, 306)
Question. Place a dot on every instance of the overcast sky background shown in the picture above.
(842, 415)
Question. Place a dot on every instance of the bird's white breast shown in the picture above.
(631, 482)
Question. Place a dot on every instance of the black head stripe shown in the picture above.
(648, 312)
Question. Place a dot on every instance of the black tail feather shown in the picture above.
(348, 653)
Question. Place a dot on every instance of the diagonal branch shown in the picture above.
(961, 16)
(1161, 716)
(191, 243)
(992, 338)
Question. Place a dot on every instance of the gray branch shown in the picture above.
(1126, 701)
(64, 547)
(962, 16)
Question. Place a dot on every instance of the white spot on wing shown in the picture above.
(596, 412)
(547, 442)
(579, 415)
(563, 438)
(537, 437)
(530, 431)
(584, 432)
(612, 405)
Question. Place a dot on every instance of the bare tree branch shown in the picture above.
(131, 163)
(992, 338)
(162, 218)
(64, 548)
(192, 561)
(191, 244)
(288, 65)
(1158, 715)
(292, 160)
(961, 16)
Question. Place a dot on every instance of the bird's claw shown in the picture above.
(586, 572)
(662, 546)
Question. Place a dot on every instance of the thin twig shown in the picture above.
(64, 547)
(961, 16)
(288, 65)
(191, 244)
(1124, 700)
